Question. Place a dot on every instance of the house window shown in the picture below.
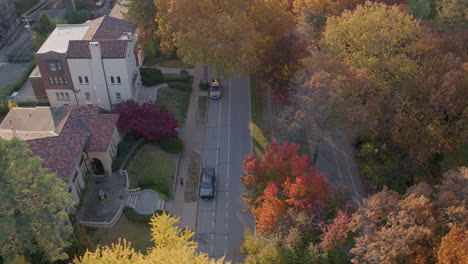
(112, 80)
(56, 80)
(63, 96)
(52, 67)
(60, 80)
(59, 66)
(51, 81)
(58, 96)
(118, 96)
(118, 80)
(80, 80)
(65, 79)
(67, 96)
(86, 79)
(88, 96)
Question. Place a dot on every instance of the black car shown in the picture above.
(207, 184)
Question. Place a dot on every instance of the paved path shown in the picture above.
(192, 135)
(336, 160)
(221, 221)
(148, 202)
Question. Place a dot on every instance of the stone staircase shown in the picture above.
(131, 199)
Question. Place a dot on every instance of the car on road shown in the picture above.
(207, 184)
(215, 89)
(99, 2)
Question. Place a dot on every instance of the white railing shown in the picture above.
(106, 224)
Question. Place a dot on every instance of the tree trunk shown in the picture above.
(205, 74)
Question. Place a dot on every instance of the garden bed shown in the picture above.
(153, 168)
(193, 177)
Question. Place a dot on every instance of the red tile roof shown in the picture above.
(84, 128)
(109, 48)
(113, 28)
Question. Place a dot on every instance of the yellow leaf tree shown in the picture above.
(173, 245)
(454, 247)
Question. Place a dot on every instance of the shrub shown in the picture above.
(78, 17)
(203, 85)
(32, 104)
(37, 42)
(151, 47)
(151, 76)
(172, 145)
(133, 216)
(186, 87)
(80, 242)
(175, 77)
(184, 73)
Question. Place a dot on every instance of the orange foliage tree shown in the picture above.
(454, 247)
(269, 210)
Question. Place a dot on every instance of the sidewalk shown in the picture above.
(192, 135)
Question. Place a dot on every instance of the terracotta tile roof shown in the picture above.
(101, 128)
(83, 127)
(109, 48)
(113, 28)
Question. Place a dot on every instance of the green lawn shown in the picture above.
(201, 110)
(193, 177)
(260, 136)
(168, 62)
(138, 234)
(175, 101)
(153, 168)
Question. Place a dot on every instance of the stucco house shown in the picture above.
(93, 64)
(71, 140)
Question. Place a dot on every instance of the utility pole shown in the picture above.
(73, 3)
(25, 18)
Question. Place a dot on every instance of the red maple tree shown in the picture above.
(335, 234)
(270, 208)
(149, 120)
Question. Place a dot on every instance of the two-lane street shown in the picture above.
(221, 221)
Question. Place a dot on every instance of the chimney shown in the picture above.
(95, 50)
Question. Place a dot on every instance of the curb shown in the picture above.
(176, 172)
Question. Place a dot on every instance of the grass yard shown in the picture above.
(167, 62)
(138, 234)
(153, 168)
(201, 110)
(193, 177)
(175, 101)
(260, 136)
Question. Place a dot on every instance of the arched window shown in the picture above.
(86, 79)
(118, 80)
(80, 79)
(112, 80)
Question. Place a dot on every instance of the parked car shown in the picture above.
(207, 184)
(99, 2)
(215, 89)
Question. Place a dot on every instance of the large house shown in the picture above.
(93, 64)
(71, 140)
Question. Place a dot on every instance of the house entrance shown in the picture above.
(97, 167)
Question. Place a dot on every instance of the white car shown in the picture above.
(99, 2)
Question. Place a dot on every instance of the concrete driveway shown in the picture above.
(221, 221)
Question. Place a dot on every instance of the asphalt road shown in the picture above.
(221, 221)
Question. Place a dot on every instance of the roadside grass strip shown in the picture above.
(260, 136)
(193, 178)
(201, 110)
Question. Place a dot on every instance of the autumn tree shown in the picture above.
(376, 37)
(269, 210)
(33, 215)
(454, 247)
(172, 245)
(406, 228)
(143, 14)
(230, 36)
(149, 120)
(335, 234)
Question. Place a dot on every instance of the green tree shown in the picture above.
(24, 5)
(376, 37)
(33, 215)
(44, 25)
(143, 14)
(172, 245)
(452, 13)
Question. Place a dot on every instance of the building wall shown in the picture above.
(60, 97)
(103, 75)
(76, 184)
(59, 79)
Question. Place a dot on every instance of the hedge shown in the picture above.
(151, 76)
(187, 87)
(133, 216)
(203, 85)
(13, 87)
